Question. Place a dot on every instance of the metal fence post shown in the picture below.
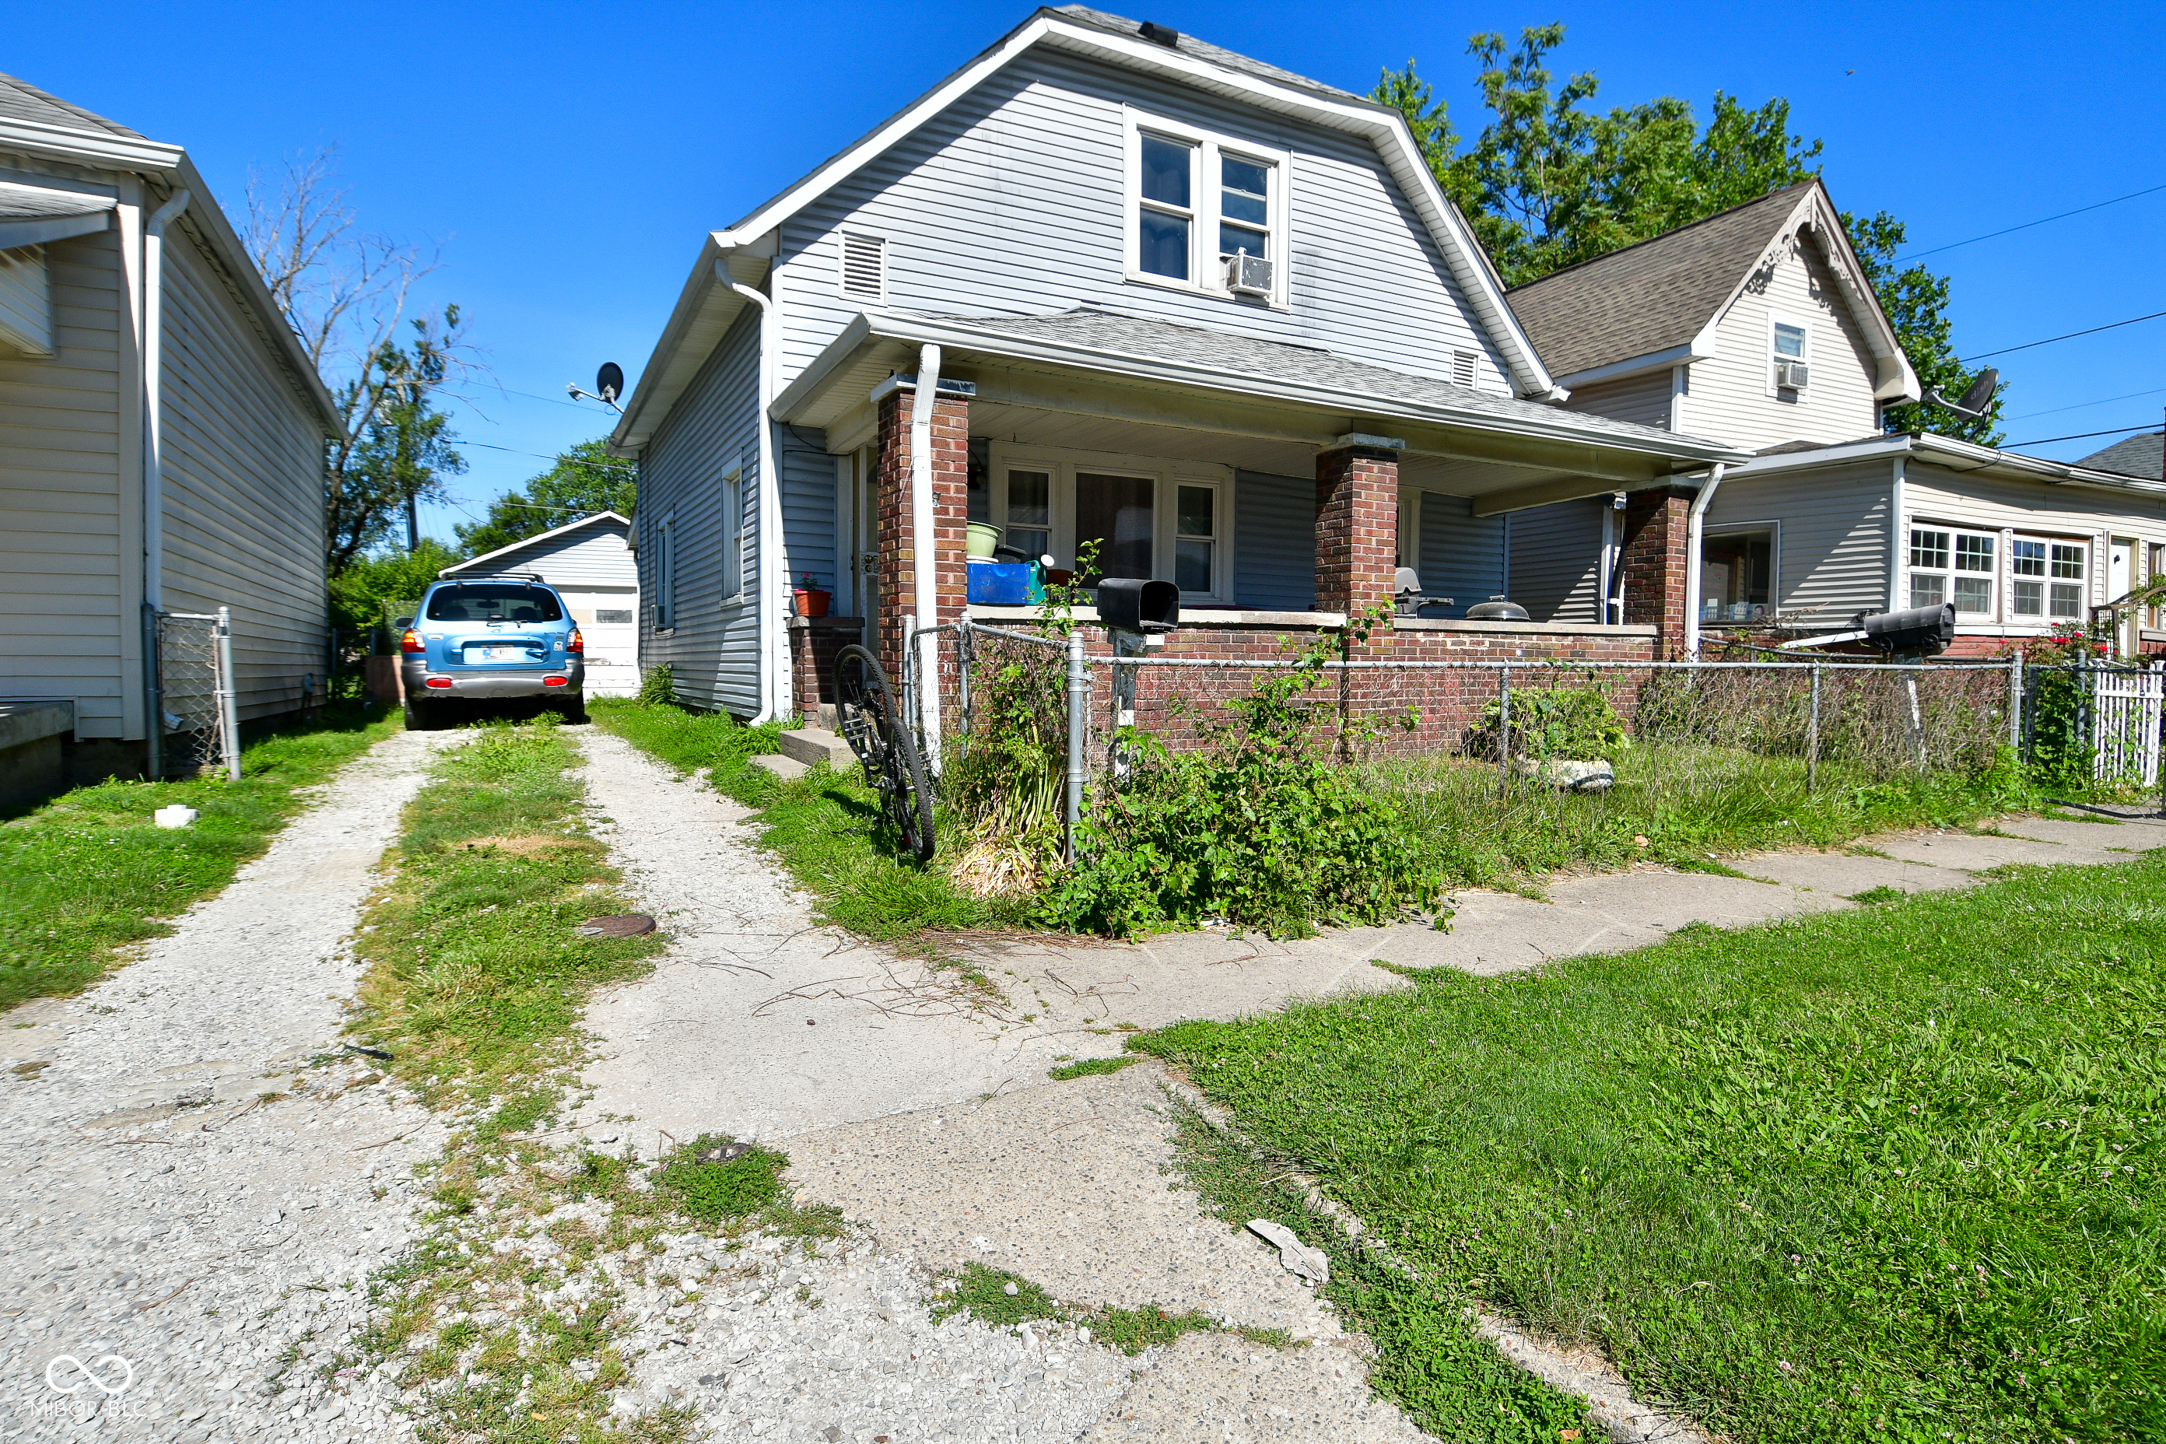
(1917, 718)
(963, 658)
(2015, 704)
(229, 724)
(1812, 736)
(1079, 701)
(1504, 728)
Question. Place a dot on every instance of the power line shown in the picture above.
(2080, 405)
(2080, 436)
(2064, 215)
(560, 457)
(2092, 331)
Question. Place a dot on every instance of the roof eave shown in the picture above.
(540, 536)
(88, 147)
(1928, 445)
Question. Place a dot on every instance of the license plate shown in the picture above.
(496, 654)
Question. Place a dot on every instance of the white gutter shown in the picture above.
(769, 600)
(924, 572)
(153, 397)
(1895, 536)
(1694, 532)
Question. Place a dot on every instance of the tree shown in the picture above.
(345, 293)
(584, 480)
(359, 592)
(1550, 182)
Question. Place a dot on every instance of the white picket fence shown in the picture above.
(2125, 713)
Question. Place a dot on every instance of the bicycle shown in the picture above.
(869, 720)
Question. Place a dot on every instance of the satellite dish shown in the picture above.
(609, 381)
(1980, 394)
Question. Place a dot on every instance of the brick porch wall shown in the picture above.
(1357, 527)
(1654, 560)
(951, 514)
(814, 644)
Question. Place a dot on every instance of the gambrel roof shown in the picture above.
(1657, 303)
(706, 307)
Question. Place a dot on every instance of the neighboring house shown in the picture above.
(1758, 328)
(161, 434)
(1213, 315)
(590, 562)
(2143, 457)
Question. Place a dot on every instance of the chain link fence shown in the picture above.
(195, 660)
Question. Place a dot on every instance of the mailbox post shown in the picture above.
(1137, 614)
(1918, 633)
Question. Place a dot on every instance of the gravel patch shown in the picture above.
(194, 1169)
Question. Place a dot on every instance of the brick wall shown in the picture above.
(951, 515)
(1357, 527)
(814, 643)
(1654, 560)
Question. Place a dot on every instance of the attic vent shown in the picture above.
(1463, 364)
(864, 267)
(1158, 34)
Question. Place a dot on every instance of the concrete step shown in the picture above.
(816, 744)
(789, 769)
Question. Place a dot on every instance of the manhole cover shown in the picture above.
(617, 925)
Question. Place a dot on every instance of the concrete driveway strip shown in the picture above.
(175, 1204)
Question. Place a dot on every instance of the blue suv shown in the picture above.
(503, 638)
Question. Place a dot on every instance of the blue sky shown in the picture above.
(568, 158)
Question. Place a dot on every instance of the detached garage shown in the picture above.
(590, 562)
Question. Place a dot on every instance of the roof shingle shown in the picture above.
(20, 100)
(2143, 455)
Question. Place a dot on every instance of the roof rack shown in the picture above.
(446, 576)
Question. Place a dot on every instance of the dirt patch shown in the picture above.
(527, 844)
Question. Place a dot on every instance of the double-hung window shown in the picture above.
(1148, 517)
(665, 574)
(2046, 578)
(733, 536)
(1196, 203)
(1953, 566)
(1789, 348)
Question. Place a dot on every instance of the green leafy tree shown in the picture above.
(1549, 181)
(359, 591)
(582, 481)
(402, 449)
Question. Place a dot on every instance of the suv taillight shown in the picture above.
(411, 642)
(575, 642)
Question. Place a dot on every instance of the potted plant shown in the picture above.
(811, 601)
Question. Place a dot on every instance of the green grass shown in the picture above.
(1891, 1173)
(1085, 1067)
(982, 1294)
(1683, 805)
(825, 827)
(89, 872)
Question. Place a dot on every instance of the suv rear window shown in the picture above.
(493, 602)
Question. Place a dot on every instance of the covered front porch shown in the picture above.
(1279, 487)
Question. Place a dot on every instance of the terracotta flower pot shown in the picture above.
(811, 603)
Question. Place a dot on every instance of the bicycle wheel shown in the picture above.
(863, 705)
(909, 798)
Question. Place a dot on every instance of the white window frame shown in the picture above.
(1772, 526)
(1063, 464)
(1205, 274)
(2046, 619)
(1997, 576)
(665, 574)
(1767, 365)
(733, 536)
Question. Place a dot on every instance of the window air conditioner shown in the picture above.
(1792, 375)
(1248, 275)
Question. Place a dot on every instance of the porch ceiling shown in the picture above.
(1036, 383)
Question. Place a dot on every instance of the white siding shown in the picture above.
(243, 454)
(66, 599)
(26, 303)
(1729, 398)
(1832, 547)
(1461, 554)
(593, 556)
(1644, 399)
(1011, 203)
(1994, 504)
(713, 649)
(1557, 561)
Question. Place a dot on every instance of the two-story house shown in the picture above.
(1758, 327)
(1110, 283)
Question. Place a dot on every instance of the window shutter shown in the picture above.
(864, 267)
(1463, 364)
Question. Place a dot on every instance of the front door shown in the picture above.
(865, 560)
(2121, 579)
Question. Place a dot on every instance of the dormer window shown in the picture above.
(1206, 213)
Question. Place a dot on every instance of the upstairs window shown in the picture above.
(1198, 204)
(1167, 217)
(1244, 207)
(1789, 356)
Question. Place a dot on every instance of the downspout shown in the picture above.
(154, 477)
(924, 574)
(769, 600)
(1895, 537)
(1694, 533)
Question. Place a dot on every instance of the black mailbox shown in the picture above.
(1132, 604)
(1923, 630)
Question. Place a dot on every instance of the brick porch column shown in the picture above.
(896, 562)
(1654, 560)
(1357, 524)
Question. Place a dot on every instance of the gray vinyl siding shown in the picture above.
(26, 309)
(68, 600)
(1644, 399)
(1461, 555)
(808, 503)
(243, 465)
(1011, 202)
(1557, 561)
(1729, 400)
(593, 556)
(714, 648)
(1832, 547)
(1274, 547)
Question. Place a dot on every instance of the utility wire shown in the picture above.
(2081, 435)
(2064, 215)
(2080, 405)
(2070, 336)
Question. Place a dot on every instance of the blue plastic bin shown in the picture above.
(1005, 584)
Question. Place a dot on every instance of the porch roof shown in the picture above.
(1503, 450)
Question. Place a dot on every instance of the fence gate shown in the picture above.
(2126, 708)
(194, 657)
